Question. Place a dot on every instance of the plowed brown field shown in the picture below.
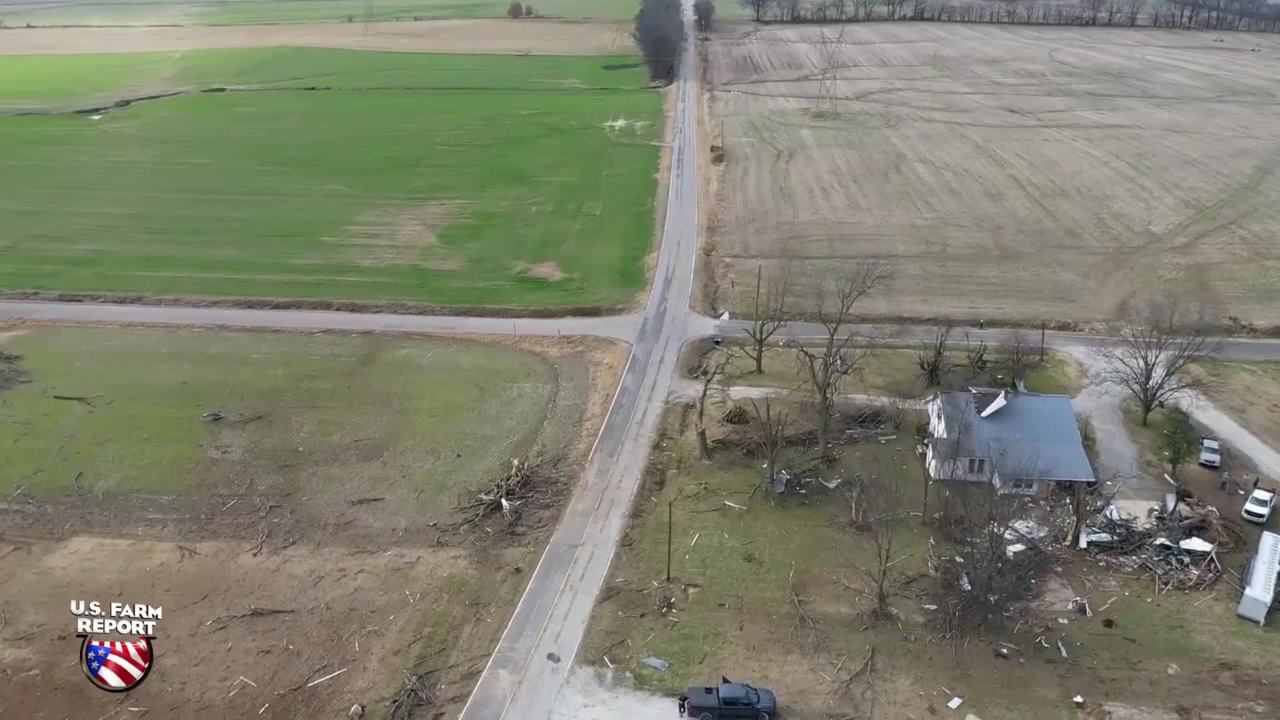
(1006, 173)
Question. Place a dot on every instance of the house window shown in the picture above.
(973, 464)
(977, 465)
(1023, 484)
(982, 464)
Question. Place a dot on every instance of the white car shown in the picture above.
(1210, 452)
(1258, 507)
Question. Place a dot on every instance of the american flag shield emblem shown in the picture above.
(116, 666)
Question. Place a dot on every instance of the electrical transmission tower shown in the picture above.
(827, 86)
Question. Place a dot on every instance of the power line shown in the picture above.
(827, 87)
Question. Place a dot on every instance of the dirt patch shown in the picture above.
(397, 236)
(375, 597)
(372, 610)
(963, 155)
(12, 373)
(544, 37)
(543, 271)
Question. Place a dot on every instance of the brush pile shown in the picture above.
(503, 497)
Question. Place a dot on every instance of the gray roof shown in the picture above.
(1031, 436)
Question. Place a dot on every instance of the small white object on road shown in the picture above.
(955, 702)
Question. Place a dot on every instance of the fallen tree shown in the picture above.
(503, 497)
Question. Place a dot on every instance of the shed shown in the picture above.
(1260, 590)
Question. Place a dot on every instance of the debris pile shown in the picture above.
(503, 497)
(414, 693)
(1176, 543)
(11, 371)
(736, 415)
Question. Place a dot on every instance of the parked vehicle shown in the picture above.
(1210, 452)
(729, 700)
(1258, 507)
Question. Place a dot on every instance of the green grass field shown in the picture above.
(240, 12)
(439, 179)
(375, 413)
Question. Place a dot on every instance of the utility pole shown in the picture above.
(1042, 324)
(670, 504)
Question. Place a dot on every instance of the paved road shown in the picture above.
(621, 327)
(528, 669)
(1231, 348)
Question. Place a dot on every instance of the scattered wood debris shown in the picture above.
(253, 611)
(86, 400)
(414, 693)
(504, 496)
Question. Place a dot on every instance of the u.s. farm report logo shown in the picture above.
(116, 665)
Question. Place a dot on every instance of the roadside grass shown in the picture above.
(894, 371)
(444, 180)
(327, 414)
(1249, 392)
(1148, 437)
(735, 616)
(244, 12)
(734, 569)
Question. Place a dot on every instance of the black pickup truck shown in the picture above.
(729, 700)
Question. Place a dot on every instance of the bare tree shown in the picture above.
(711, 371)
(767, 315)
(1020, 354)
(986, 582)
(882, 503)
(759, 8)
(1086, 501)
(769, 434)
(1131, 10)
(825, 366)
(1156, 344)
(932, 357)
(704, 11)
(975, 356)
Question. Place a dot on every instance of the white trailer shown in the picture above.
(1260, 588)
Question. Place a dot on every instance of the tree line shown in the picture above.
(659, 32)
(1248, 15)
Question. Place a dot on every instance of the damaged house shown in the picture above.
(1018, 442)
